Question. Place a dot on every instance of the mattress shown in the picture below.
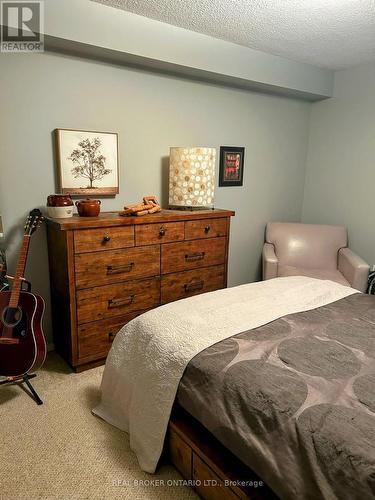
(295, 399)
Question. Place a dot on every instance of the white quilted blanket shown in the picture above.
(150, 354)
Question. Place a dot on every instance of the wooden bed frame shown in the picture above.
(215, 473)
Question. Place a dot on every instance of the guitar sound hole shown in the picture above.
(11, 316)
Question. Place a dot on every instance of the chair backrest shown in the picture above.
(309, 246)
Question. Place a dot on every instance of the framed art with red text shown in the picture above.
(231, 166)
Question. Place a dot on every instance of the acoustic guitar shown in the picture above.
(22, 343)
(3, 272)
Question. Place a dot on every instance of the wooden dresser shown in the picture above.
(107, 270)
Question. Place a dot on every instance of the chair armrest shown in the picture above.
(354, 269)
(269, 261)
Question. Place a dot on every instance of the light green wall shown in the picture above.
(340, 172)
(39, 93)
(115, 33)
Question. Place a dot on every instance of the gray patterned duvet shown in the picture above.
(295, 400)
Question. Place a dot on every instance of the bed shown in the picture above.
(278, 376)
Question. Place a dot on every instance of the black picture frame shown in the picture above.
(232, 178)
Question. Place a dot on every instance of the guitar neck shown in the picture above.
(20, 271)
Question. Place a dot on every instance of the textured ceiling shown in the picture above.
(332, 34)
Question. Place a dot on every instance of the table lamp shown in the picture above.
(192, 178)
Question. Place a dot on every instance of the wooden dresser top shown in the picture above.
(106, 219)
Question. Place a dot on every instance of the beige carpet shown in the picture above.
(61, 451)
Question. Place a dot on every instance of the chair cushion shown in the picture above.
(321, 274)
(311, 246)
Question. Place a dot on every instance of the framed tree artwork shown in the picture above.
(231, 166)
(87, 162)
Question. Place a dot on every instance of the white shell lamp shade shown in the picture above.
(192, 177)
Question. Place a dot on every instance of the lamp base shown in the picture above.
(189, 208)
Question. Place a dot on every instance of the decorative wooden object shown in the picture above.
(150, 205)
(107, 270)
(200, 457)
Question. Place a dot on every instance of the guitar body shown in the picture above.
(28, 352)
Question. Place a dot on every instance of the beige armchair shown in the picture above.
(318, 251)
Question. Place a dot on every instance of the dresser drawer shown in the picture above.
(106, 238)
(114, 300)
(206, 228)
(149, 234)
(193, 254)
(102, 268)
(95, 339)
(177, 286)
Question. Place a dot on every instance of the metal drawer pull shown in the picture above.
(162, 231)
(106, 238)
(121, 302)
(191, 287)
(194, 256)
(120, 269)
(111, 336)
(207, 228)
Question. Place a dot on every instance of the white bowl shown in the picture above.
(60, 212)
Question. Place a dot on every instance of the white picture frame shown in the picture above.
(87, 162)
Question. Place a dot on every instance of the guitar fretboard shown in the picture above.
(20, 271)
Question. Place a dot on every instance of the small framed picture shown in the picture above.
(87, 162)
(231, 166)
